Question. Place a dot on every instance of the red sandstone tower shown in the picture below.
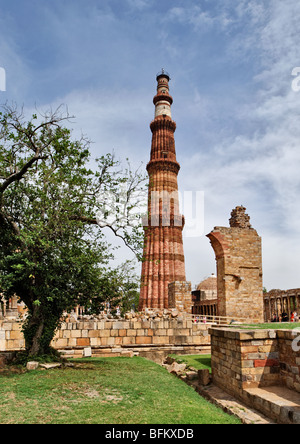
(163, 248)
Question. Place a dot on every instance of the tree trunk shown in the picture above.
(35, 346)
(39, 329)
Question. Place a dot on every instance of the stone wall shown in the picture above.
(244, 359)
(180, 296)
(239, 268)
(289, 358)
(116, 337)
(11, 337)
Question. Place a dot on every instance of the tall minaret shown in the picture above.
(163, 249)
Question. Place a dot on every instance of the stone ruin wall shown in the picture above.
(238, 253)
(245, 360)
(180, 296)
(143, 335)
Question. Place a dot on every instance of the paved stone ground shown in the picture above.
(231, 405)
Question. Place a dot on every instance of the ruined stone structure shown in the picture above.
(144, 335)
(180, 296)
(163, 249)
(280, 302)
(10, 309)
(204, 298)
(208, 288)
(239, 268)
(261, 368)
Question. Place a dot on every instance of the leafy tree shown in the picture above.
(128, 284)
(53, 254)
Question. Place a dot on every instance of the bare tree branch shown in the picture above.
(92, 221)
(17, 176)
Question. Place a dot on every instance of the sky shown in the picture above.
(236, 90)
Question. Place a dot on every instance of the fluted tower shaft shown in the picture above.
(163, 260)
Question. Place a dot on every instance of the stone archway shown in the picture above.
(239, 268)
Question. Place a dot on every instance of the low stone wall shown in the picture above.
(244, 359)
(116, 337)
(11, 337)
(289, 357)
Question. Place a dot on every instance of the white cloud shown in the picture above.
(193, 16)
(113, 120)
(18, 74)
(139, 4)
(262, 169)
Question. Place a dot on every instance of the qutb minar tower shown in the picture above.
(163, 248)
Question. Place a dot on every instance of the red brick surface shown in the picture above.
(266, 363)
(163, 249)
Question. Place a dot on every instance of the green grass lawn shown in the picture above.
(269, 326)
(197, 361)
(104, 391)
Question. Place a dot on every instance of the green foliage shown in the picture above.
(22, 358)
(53, 254)
(128, 284)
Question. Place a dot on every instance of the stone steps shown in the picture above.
(232, 405)
(269, 405)
(278, 403)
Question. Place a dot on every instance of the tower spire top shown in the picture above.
(163, 73)
(162, 100)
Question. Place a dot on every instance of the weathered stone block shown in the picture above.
(32, 365)
(83, 342)
(204, 377)
(87, 352)
(266, 363)
(119, 325)
(176, 368)
(129, 340)
(75, 333)
(160, 340)
(143, 340)
(61, 343)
